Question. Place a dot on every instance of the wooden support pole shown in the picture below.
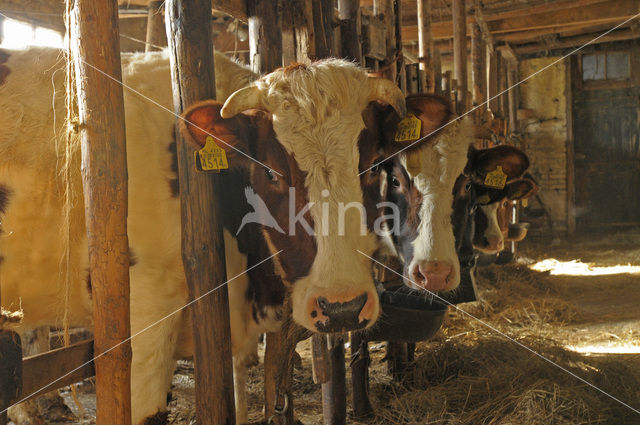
(397, 13)
(460, 52)
(96, 43)
(384, 10)
(512, 69)
(156, 33)
(478, 72)
(360, 361)
(426, 46)
(334, 397)
(437, 72)
(349, 15)
(265, 34)
(327, 10)
(304, 29)
(492, 81)
(278, 371)
(193, 79)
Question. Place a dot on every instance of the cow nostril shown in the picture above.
(323, 303)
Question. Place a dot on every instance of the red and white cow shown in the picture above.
(488, 226)
(304, 123)
(419, 183)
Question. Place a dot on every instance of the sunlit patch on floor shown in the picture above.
(578, 268)
(606, 348)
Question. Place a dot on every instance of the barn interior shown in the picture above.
(554, 335)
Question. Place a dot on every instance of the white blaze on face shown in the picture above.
(433, 169)
(317, 118)
(492, 234)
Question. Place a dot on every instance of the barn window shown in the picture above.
(20, 35)
(606, 66)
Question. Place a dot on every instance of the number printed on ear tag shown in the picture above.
(211, 158)
(496, 179)
(408, 129)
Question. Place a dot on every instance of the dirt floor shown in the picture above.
(560, 316)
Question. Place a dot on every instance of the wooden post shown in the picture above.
(360, 361)
(288, 32)
(478, 72)
(265, 34)
(278, 370)
(193, 79)
(349, 15)
(512, 68)
(571, 68)
(324, 24)
(305, 38)
(426, 46)
(334, 406)
(385, 10)
(460, 52)
(156, 33)
(96, 43)
(492, 84)
(437, 72)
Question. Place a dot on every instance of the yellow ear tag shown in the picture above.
(496, 179)
(525, 203)
(211, 158)
(408, 129)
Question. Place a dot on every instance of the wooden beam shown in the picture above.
(585, 15)
(265, 34)
(96, 43)
(383, 9)
(425, 45)
(571, 42)
(42, 372)
(334, 391)
(156, 33)
(322, 12)
(478, 72)
(349, 15)
(235, 8)
(460, 53)
(305, 37)
(203, 256)
(512, 79)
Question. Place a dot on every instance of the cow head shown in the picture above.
(302, 125)
(485, 200)
(418, 183)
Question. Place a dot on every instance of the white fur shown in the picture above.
(493, 231)
(434, 169)
(317, 118)
(31, 145)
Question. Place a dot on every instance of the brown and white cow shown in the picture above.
(304, 123)
(485, 205)
(418, 184)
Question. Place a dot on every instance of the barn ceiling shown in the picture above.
(527, 26)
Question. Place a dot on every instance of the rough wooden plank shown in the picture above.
(374, 43)
(320, 359)
(478, 72)
(460, 52)
(384, 10)
(96, 41)
(193, 79)
(41, 372)
(349, 14)
(425, 45)
(334, 396)
(360, 361)
(156, 33)
(265, 34)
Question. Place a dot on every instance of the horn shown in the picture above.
(241, 100)
(386, 91)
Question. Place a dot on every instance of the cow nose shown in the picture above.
(342, 313)
(434, 275)
(495, 243)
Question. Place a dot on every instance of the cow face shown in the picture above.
(490, 203)
(303, 124)
(418, 183)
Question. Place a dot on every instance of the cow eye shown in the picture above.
(375, 168)
(395, 182)
(273, 177)
(467, 187)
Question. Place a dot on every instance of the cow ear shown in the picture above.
(432, 113)
(203, 120)
(512, 160)
(521, 189)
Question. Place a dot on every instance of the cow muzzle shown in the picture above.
(434, 276)
(342, 313)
